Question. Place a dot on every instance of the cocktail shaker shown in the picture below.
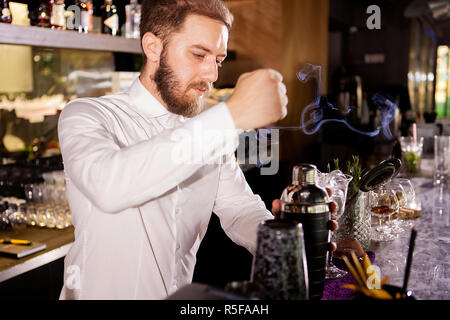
(305, 202)
(279, 265)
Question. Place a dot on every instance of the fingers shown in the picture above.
(275, 75)
(282, 88)
(333, 207)
(276, 207)
(284, 99)
(332, 246)
(332, 225)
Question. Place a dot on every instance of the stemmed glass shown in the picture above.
(337, 182)
(383, 203)
(406, 197)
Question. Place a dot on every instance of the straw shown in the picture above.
(414, 129)
(409, 261)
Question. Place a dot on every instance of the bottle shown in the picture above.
(6, 13)
(96, 17)
(305, 202)
(133, 17)
(85, 16)
(57, 19)
(110, 18)
(44, 13)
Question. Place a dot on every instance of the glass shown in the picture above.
(17, 216)
(355, 223)
(41, 215)
(441, 159)
(279, 264)
(337, 182)
(411, 155)
(31, 216)
(412, 207)
(397, 224)
(383, 203)
(440, 207)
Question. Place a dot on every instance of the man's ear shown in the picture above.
(152, 47)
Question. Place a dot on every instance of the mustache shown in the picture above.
(202, 85)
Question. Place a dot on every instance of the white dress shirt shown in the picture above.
(139, 216)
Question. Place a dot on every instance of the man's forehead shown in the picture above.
(204, 33)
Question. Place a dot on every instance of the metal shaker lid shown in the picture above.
(380, 175)
(304, 174)
(304, 195)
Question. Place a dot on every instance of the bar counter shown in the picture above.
(429, 277)
(58, 244)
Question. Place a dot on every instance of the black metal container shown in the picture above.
(305, 202)
(279, 265)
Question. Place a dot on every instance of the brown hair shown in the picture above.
(162, 17)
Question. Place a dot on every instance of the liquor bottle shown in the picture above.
(44, 13)
(85, 16)
(110, 18)
(133, 17)
(6, 13)
(96, 16)
(57, 19)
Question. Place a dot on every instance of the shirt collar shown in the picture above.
(144, 102)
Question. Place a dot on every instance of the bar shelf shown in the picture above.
(43, 37)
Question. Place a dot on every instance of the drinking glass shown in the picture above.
(41, 219)
(441, 159)
(411, 204)
(397, 224)
(31, 216)
(337, 182)
(411, 155)
(383, 203)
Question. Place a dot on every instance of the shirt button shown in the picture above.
(177, 210)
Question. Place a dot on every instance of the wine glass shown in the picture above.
(410, 197)
(383, 203)
(405, 201)
(337, 182)
(395, 223)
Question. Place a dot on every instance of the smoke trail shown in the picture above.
(320, 111)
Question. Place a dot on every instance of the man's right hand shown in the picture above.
(258, 99)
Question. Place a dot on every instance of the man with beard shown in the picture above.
(140, 206)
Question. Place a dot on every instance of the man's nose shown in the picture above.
(209, 71)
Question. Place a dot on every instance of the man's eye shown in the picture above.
(199, 56)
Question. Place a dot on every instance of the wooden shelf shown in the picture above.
(43, 37)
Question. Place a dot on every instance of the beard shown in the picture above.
(177, 101)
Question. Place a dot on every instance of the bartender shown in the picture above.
(141, 200)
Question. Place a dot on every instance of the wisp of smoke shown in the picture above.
(320, 111)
